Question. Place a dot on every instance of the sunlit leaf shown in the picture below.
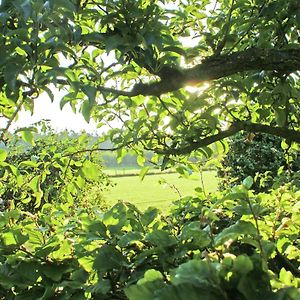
(240, 228)
(3, 154)
(143, 172)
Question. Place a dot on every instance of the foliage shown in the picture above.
(130, 66)
(259, 156)
(130, 62)
(226, 246)
(51, 171)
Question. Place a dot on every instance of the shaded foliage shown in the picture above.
(130, 62)
(260, 156)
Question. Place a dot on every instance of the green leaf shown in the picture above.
(130, 238)
(26, 9)
(68, 98)
(234, 231)
(28, 163)
(90, 170)
(35, 237)
(192, 231)
(63, 251)
(141, 160)
(11, 73)
(29, 270)
(49, 92)
(161, 238)
(189, 291)
(34, 183)
(13, 237)
(147, 287)
(248, 182)
(86, 110)
(3, 154)
(109, 258)
(280, 116)
(150, 275)
(8, 239)
(87, 263)
(143, 172)
(80, 275)
(98, 228)
(175, 49)
(149, 216)
(65, 4)
(242, 264)
(197, 272)
(27, 136)
(113, 42)
(102, 287)
(45, 250)
(91, 92)
(55, 272)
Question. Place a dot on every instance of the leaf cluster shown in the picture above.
(129, 62)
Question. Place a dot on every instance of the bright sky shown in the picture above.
(60, 119)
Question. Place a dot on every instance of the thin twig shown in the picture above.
(221, 45)
(97, 149)
(259, 237)
(4, 131)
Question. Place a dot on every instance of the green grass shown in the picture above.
(130, 171)
(150, 193)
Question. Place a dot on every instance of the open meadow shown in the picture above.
(158, 190)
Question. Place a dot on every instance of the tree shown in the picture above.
(130, 62)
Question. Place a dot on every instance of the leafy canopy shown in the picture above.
(130, 63)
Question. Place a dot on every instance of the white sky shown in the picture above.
(59, 119)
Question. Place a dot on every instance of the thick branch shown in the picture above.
(254, 59)
(288, 134)
(201, 143)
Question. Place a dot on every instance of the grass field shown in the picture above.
(132, 171)
(150, 192)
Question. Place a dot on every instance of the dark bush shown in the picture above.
(259, 156)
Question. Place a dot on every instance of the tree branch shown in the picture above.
(215, 67)
(95, 150)
(233, 129)
(285, 133)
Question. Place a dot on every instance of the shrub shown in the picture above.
(235, 245)
(52, 170)
(259, 156)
